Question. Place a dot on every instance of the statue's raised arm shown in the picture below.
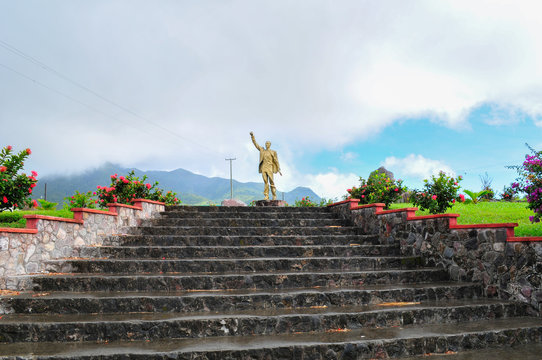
(254, 141)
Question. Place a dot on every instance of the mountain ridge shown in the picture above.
(193, 189)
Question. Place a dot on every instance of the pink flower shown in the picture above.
(434, 197)
(462, 197)
(28, 151)
(362, 196)
(348, 190)
(148, 186)
(34, 174)
(5, 199)
(3, 168)
(9, 147)
(94, 193)
(125, 181)
(396, 189)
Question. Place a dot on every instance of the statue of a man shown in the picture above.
(269, 165)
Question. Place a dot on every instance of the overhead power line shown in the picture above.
(44, 66)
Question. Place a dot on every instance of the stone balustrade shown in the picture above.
(25, 251)
(507, 267)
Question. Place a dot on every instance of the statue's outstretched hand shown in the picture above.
(251, 133)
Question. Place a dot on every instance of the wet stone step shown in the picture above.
(248, 215)
(180, 252)
(247, 209)
(234, 222)
(229, 300)
(241, 240)
(175, 282)
(145, 326)
(531, 351)
(354, 344)
(232, 265)
(255, 231)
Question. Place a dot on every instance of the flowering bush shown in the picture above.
(125, 189)
(81, 200)
(530, 182)
(509, 193)
(438, 194)
(15, 189)
(305, 202)
(379, 188)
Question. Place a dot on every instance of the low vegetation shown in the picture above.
(491, 212)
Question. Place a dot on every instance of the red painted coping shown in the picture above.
(408, 210)
(351, 201)
(19, 230)
(78, 212)
(136, 201)
(113, 207)
(365, 206)
(32, 220)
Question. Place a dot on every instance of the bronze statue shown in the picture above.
(269, 165)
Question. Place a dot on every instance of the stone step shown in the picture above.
(531, 351)
(229, 300)
(223, 265)
(253, 223)
(254, 231)
(241, 280)
(367, 343)
(248, 215)
(276, 251)
(247, 209)
(240, 240)
(154, 326)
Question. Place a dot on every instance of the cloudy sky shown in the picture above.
(339, 87)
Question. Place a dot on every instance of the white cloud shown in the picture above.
(303, 75)
(417, 166)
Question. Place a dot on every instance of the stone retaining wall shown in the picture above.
(25, 251)
(506, 267)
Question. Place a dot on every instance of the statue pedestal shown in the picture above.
(276, 203)
(232, 202)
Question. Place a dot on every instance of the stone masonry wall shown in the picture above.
(25, 251)
(474, 253)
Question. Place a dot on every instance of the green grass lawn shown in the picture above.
(490, 213)
(15, 219)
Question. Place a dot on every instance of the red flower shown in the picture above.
(33, 185)
(28, 151)
(349, 190)
(148, 186)
(34, 174)
(462, 197)
(5, 199)
(125, 181)
(3, 168)
(34, 203)
(9, 147)
(30, 190)
(396, 189)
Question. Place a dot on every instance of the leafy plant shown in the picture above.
(439, 193)
(305, 202)
(15, 188)
(379, 188)
(475, 197)
(509, 193)
(530, 182)
(81, 200)
(126, 189)
(47, 205)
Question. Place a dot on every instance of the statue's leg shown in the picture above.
(266, 186)
(272, 183)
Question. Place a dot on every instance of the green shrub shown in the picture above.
(47, 205)
(305, 202)
(439, 194)
(379, 188)
(10, 217)
(80, 200)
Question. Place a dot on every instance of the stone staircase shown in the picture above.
(256, 283)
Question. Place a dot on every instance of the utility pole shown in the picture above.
(231, 178)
